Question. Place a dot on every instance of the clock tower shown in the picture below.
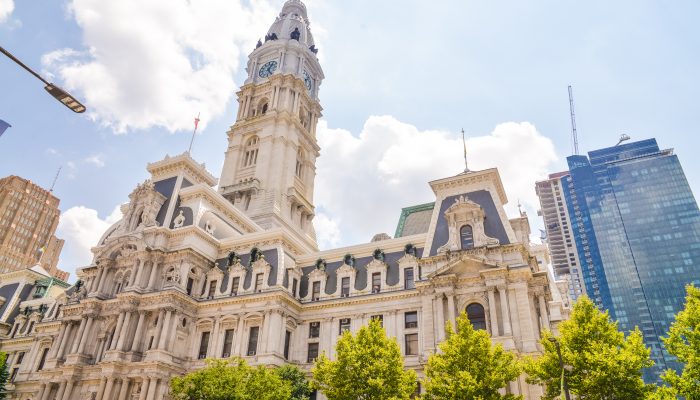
(270, 163)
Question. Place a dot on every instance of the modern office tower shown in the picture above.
(28, 220)
(637, 231)
(560, 239)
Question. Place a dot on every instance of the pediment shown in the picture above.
(464, 265)
(345, 269)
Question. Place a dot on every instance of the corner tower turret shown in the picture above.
(270, 163)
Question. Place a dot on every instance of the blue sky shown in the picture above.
(402, 78)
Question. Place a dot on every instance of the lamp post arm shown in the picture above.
(21, 64)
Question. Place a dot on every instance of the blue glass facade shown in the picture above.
(637, 230)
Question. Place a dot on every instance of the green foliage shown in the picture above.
(683, 341)
(4, 375)
(604, 364)
(368, 365)
(468, 366)
(297, 380)
(230, 379)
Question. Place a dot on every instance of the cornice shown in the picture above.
(222, 205)
(488, 175)
(170, 166)
(388, 246)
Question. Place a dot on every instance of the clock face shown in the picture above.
(308, 81)
(267, 69)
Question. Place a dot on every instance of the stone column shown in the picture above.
(103, 275)
(101, 389)
(239, 336)
(117, 331)
(213, 339)
(95, 284)
(61, 390)
(451, 310)
(152, 389)
(134, 272)
(264, 334)
(123, 388)
(69, 389)
(439, 318)
(77, 338)
(44, 391)
(144, 388)
(172, 332)
(166, 324)
(152, 277)
(62, 347)
(58, 341)
(139, 331)
(427, 332)
(108, 389)
(543, 311)
(100, 349)
(139, 273)
(504, 311)
(125, 331)
(86, 333)
(159, 327)
(493, 312)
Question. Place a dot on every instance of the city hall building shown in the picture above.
(203, 268)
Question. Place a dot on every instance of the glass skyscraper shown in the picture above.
(637, 231)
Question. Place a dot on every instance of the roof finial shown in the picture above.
(464, 142)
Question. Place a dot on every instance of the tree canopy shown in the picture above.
(230, 379)
(683, 342)
(367, 365)
(4, 375)
(603, 363)
(468, 366)
(301, 390)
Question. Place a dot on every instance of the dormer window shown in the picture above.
(251, 152)
(316, 291)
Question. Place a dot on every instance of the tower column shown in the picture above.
(152, 389)
(493, 312)
(152, 277)
(108, 389)
(58, 341)
(86, 333)
(101, 388)
(440, 318)
(76, 339)
(504, 311)
(123, 388)
(164, 327)
(451, 310)
(144, 388)
(124, 331)
(159, 327)
(62, 347)
(543, 311)
(68, 391)
(139, 331)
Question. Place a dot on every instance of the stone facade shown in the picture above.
(191, 272)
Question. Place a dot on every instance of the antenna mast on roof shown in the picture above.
(574, 135)
(55, 178)
(464, 142)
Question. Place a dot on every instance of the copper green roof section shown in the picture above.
(414, 219)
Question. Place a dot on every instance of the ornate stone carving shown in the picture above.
(465, 212)
(179, 220)
(144, 204)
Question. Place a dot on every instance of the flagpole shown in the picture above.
(196, 122)
(464, 142)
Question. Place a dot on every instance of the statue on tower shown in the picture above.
(295, 35)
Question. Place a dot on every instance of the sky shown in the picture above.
(403, 77)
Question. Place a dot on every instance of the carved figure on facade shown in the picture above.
(209, 227)
(179, 221)
(465, 213)
(144, 204)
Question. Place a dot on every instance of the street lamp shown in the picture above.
(561, 364)
(55, 91)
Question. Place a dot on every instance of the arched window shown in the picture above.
(250, 156)
(300, 164)
(263, 106)
(476, 315)
(466, 236)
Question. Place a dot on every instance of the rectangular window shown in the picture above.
(228, 343)
(376, 282)
(345, 287)
(234, 286)
(190, 283)
(14, 374)
(316, 291)
(410, 320)
(411, 344)
(294, 286)
(314, 329)
(258, 282)
(312, 353)
(344, 325)
(203, 345)
(253, 340)
(408, 281)
(212, 289)
(287, 340)
(42, 360)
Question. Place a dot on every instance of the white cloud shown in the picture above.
(96, 160)
(155, 63)
(6, 8)
(327, 231)
(363, 181)
(52, 151)
(81, 228)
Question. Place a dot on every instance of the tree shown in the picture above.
(297, 380)
(683, 342)
(4, 375)
(230, 379)
(368, 365)
(602, 362)
(468, 366)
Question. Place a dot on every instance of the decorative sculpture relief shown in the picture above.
(209, 227)
(144, 204)
(179, 221)
(465, 212)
